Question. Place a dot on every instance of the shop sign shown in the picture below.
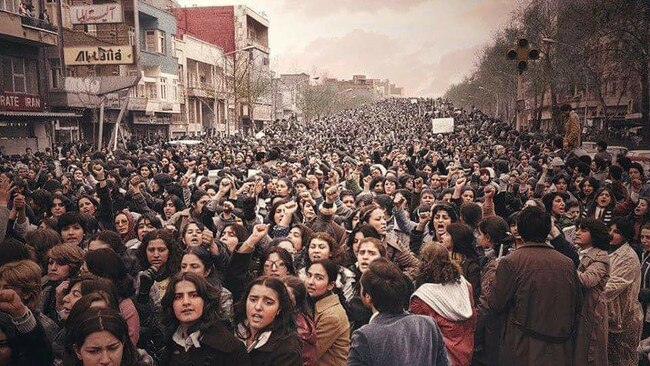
(152, 120)
(20, 102)
(100, 55)
(96, 14)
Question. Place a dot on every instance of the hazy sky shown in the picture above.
(422, 45)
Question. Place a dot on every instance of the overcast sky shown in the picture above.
(422, 45)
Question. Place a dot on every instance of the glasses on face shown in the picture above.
(278, 264)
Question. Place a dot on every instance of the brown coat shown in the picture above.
(572, 131)
(591, 337)
(401, 255)
(332, 332)
(539, 291)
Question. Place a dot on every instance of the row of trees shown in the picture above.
(318, 101)
(586, 47)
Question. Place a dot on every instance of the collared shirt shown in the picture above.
(583, 252)
(187, 342)
(374, 315)
(599, 212)
(258, 342)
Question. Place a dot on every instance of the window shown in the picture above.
(55, 73)
(181, 76)
(131, 36)
(154, 41)
(163, 88)
(9, 5)
(152, 90)
(91, 29)
(18, 72)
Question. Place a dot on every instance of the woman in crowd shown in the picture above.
(593, 239)
(277, 262)
(199, 261)
(160, 255)
(332, 325)
(304, 318)
(125, 226)
(265, 324)
(197, 333)
(459, 241)
(64, 262)
(444, 294)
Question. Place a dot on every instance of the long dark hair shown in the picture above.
(173, 261)
(95, 320)
(462, 238)
(107, 264)
(283, 321)
(211, 302)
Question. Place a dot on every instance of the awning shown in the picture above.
(39, 114)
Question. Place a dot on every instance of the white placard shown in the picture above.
(442, 125)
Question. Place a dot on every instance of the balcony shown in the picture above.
(29, 30)
(201, 89)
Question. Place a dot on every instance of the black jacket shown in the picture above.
(282, 349)
(218, 347)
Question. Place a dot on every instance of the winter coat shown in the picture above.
(281, 349)
(452, 307)
(218, 347)
(307, 334)
(332, 332)
(539, 290)
(591, 335)
(622, 289)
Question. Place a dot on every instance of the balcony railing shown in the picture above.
(38, 24)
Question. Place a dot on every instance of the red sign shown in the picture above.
(20, 102)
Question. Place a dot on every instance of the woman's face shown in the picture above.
(172, 170)
(389, 187)
(587, 188)
(484, 240)
(145, 172)
(617, 238)
(377, 220)
(573, 213)
(440, 222)
(70, 299)
(275, 266)
(229, 238)
(262, 306)
(308, 210)
(468, 196)
(558, 206)
(279, 214)
(561, 185)
(187, 304)
(169, 209)
(57, 271)
(192, 237)
(355, 220)
(157, 253)
(428, 198)
(318, 249)
(192, 263)
(295, 236)
(641, 208)
(355, 242)
(121, 224)
(281, 189)
(144, 226)
(58, 208)
(645, 239)
(368, 252)
(317, 282)
(604, 199)
(87, 207)
(73, 234)
(582, 238)
(100, 349)
(78, 175)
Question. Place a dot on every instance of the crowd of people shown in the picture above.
(359, 239)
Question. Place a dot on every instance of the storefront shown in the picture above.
(150, 127)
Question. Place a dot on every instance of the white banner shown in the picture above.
(96, 14)
(442, 125)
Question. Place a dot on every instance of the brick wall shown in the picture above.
(213, 24)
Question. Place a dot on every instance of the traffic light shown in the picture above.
(523, 53)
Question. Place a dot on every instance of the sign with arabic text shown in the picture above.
(98, 55)
(96, 14)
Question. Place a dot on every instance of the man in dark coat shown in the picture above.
(539, 291)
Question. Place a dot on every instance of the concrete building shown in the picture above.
(201, 81)
(26, 119)
(242, 33)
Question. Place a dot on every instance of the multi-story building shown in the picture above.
(201, 79)
(26, 119)
(287, 89)
(242, 33)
